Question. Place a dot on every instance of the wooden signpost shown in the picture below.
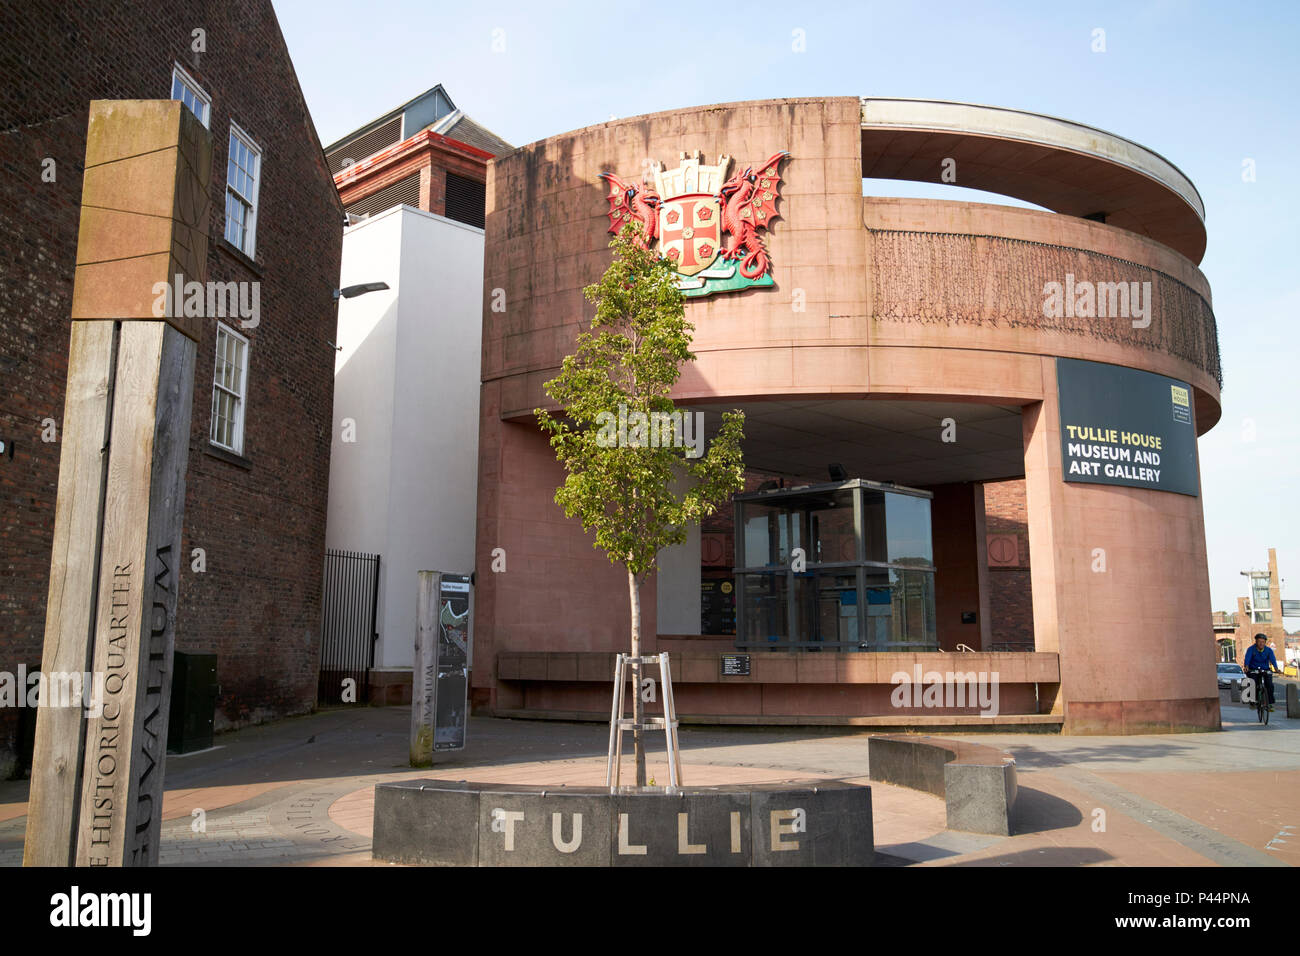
(424, 676)
(115, 568)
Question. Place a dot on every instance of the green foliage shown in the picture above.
(637, 500)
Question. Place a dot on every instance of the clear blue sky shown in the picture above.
(1205, 85)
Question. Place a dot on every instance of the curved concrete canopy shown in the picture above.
(898, 441)
(1057, 164)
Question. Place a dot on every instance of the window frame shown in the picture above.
(236, 132)
(242, 398)
(181, 75)
(905, 577)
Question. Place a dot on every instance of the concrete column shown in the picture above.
(1275, 606)
(1117, 616)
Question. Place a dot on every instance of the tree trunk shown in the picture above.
(638, 707)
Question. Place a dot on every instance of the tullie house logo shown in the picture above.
(706, 224)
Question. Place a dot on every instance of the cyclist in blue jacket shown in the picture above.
(1260, 657)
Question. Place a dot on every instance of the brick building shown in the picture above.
(1011, 605)
(259, 449)
(1260, 612)
(427, 154)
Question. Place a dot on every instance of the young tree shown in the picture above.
(635, 490)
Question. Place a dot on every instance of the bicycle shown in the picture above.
(1261, 694)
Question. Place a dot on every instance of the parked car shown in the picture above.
(1230, 673)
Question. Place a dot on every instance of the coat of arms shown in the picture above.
(706, 224)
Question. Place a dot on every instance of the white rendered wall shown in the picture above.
(426, 391)
(363, 372)
(433, 485)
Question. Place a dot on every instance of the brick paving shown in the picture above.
(301, 791)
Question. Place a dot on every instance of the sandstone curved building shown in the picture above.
(906, 341)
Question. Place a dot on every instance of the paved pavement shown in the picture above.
(300, 791)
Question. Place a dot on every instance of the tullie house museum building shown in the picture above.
(970, 428)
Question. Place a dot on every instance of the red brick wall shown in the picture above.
(1011, 609)
(260, 521)
(428, 157)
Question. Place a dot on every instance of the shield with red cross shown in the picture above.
(690, 231)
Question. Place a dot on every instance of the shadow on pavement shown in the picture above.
(374, 741)
(1038, 812)
(1083, 754)
(1048, 856)
(370, 741)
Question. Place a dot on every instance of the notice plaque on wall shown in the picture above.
(735, 665)
(717, 606)
(1122, 426)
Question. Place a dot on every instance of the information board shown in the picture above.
(1122, 426)
(735, 665)
(452, 695)
(717, 605)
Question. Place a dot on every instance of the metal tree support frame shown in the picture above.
(618, 724)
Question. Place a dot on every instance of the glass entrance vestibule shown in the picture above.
(844, 566)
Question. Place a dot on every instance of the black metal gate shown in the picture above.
(348, 608)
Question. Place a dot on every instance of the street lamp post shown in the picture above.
(351, 292)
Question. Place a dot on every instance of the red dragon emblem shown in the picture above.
(684, 210)
(632, 202)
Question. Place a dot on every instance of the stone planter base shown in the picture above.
(445, 823)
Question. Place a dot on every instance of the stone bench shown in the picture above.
(446, 823)
(977, 782)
